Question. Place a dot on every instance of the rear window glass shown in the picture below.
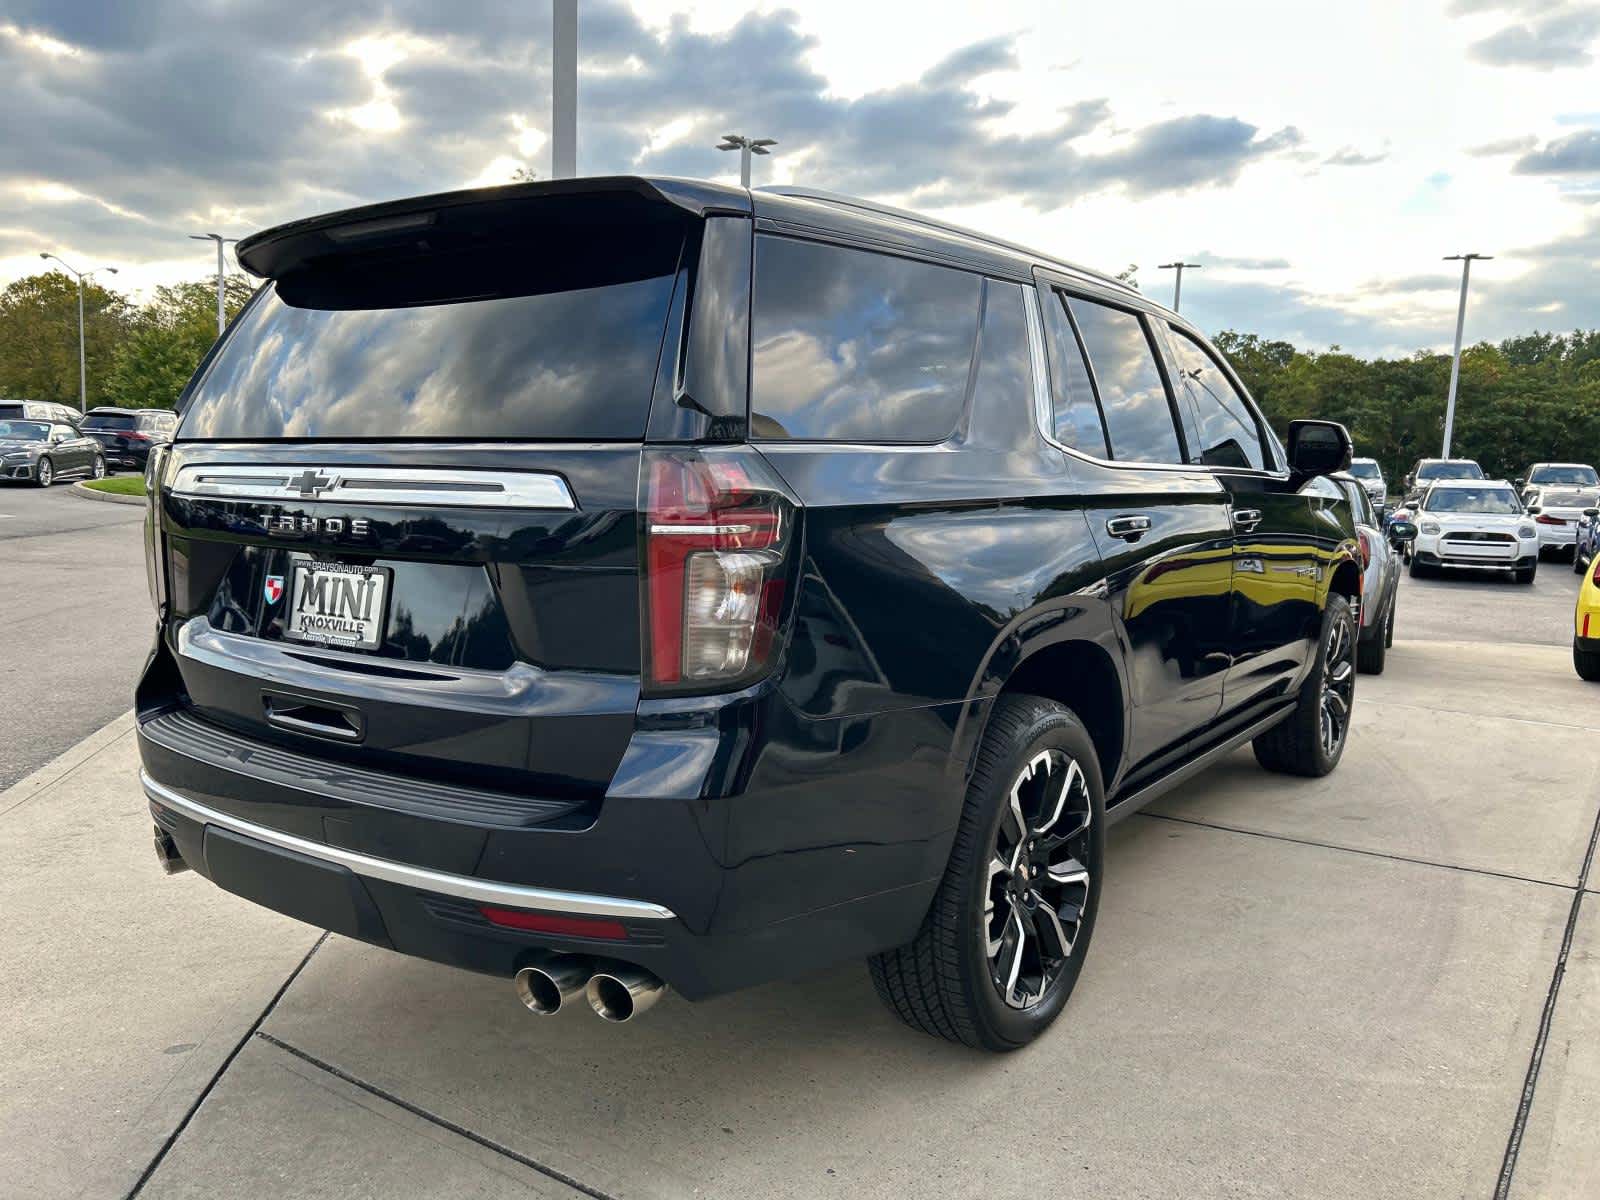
(1567, 499)
(109, 421)
(557, 340)
(1450, 470)
(1579, 475)
(848, 345)
(1365, 470)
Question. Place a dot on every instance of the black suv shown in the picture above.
(619, 583)
(127, 434)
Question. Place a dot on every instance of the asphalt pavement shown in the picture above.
(75, 620)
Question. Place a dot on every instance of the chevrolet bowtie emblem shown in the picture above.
(311, 481)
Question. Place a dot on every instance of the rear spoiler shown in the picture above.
(475, 213)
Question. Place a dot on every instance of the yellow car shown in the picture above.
(1586, 625)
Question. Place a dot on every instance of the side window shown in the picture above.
(1227, 430)
(1003, 382)
(1075, 414)
(849, 345)
(1132, 395)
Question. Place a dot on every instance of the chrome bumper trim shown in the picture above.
(481, 891)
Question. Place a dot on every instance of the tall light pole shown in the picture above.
(1466, 261)
(83, 370)
(564, 89)
(222, 310)
(1177, 283)
(746, 147)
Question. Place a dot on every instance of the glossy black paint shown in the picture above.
(805, 818)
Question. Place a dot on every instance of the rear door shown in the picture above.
(399, 517)
(1280, 538)
(1161, 526)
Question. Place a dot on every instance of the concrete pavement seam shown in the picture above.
(172, 1138)
(64, 764)
(444, 1123)
(1508, 1165)
(1405, 858)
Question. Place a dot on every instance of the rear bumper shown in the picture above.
(713, 893)
(1557, 535)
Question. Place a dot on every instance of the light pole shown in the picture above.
(746, 147)
(564, 89)
(1177, 283)
(1455, 359)
(222, 311)
(83, 370)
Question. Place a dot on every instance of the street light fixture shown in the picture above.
(222, 312)
(1177, 283)
(83, 371)
(746, 147)
(1466, 261)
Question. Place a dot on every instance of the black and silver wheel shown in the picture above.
(98, 471)
(1311, 739)
(45, 473)
(1002, 944)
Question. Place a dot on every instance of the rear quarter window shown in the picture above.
(850, 345)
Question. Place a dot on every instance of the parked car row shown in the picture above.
(41, 441)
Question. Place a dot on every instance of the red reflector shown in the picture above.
(590, 927)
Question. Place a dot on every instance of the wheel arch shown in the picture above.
(1080, 674)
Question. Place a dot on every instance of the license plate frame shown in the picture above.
(337, 626)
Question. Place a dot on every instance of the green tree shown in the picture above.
(39, 337)
(167, 339)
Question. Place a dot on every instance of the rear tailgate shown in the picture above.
(398, 522)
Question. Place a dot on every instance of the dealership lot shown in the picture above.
(1329, 988)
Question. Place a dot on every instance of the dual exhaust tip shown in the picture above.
(616, 991)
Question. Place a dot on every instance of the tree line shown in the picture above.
(1534, 398)
(1527, 399)
(137, 355)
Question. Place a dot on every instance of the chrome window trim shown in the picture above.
(360, 484)
(480, 891)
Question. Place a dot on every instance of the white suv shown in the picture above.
(1475, 523)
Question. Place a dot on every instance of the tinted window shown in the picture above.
(1138, 417)
(554, 340)
(1578, 475)
(1004, 379)
(851, 345)
(1449, 470)
(1228, 436)
(23, 431)
(110, 421)
(1075, 415)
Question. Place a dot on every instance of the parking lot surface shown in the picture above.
(1320, 988)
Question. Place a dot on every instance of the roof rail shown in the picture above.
(888, 210)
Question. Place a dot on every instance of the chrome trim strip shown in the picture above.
(308, 483)
(482, 891)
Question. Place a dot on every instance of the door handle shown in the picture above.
(1246, 519)
(1129, 529)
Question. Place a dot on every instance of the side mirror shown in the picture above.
(1519, 482)
(1318, 448)
(1591, 513)
(1534, 510)
(1402, 531)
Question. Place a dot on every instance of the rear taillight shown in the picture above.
(155, 552)
(134, 436)
(716, 529)
(1546, 519)
(1366, 548)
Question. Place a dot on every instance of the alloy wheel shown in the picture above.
(99, 467)
(46, 473)
(1338, 686)
(1038, 881)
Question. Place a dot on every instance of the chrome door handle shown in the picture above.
(1246, 519)
(1129, 529)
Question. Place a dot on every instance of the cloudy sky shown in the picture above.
(1318, 159)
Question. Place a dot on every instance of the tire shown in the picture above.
(45, 473)
(1371, 653)
(1526, 574)
(98, 470)
(1388, 626)
(1578, 564)
(1587, 663)
(947, 982)
(1301, 744)
(1419, 569)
